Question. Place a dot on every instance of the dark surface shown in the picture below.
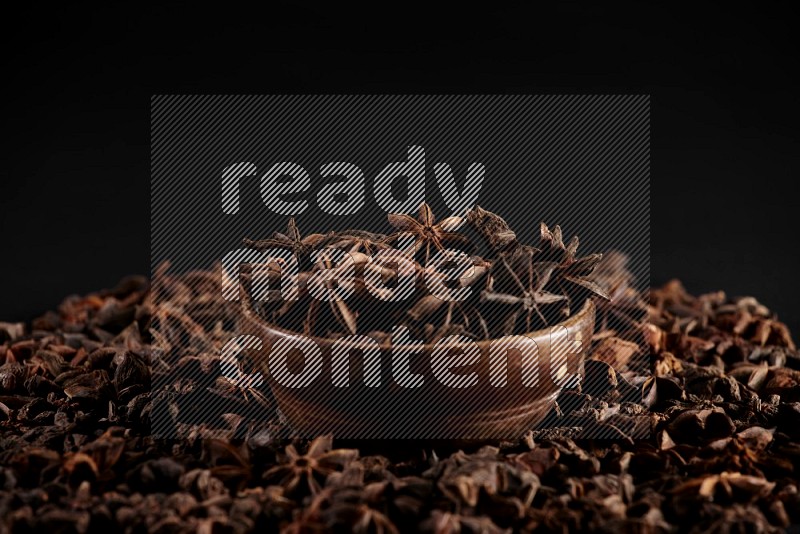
(74, 202)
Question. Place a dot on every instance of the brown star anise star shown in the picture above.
(291, 240)
(344, 508)
(763, 330)
(573, 269)
(532, 292)
(426, 231)
(306, 473)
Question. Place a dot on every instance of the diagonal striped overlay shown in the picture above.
(580, 161)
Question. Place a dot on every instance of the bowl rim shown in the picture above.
(586, 313)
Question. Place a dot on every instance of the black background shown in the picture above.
(74, 203)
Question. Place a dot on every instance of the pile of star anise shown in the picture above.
(78, 386)
(514, 287)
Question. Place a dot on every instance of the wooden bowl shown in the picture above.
(433, 410)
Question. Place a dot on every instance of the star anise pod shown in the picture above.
(763, 330)
(494, 229)
(531, 293)
(529, 277)
(291, 241)
(360, 308)
(572, 269)
(343, 508)
(426, 232)
(302, 474)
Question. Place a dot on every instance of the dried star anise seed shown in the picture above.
(427, 233)
(305, 473)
